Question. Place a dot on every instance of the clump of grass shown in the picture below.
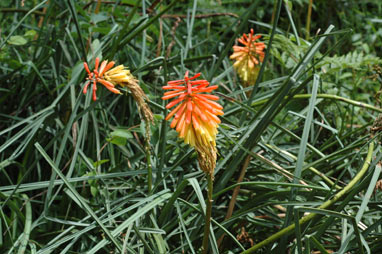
(297, 167)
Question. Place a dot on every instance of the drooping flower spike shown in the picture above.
(248, 57)
(97, 76)
(195, 116)
(119, 75)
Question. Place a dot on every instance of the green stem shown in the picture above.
(208, 213)
(325, 205)
(148, 157)
(327, 96)
(150, 172)
(308, 18)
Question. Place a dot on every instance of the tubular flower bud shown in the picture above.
(248, 57)
(195, 116)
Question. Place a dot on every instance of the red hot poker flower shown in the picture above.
(248, 57)
(195, 116)
(110, 76)
(98, 76)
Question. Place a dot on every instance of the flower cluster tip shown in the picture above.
(196, 112)
(248, 57)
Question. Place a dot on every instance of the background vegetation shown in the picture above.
(74, 172)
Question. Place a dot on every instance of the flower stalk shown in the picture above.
(195, 118)
(110, 76)
(207, 224)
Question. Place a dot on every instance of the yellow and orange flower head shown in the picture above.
(119, 75)
(97, 76)
(195, 116)
(248, 57)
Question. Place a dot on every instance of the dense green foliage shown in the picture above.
(74, 173)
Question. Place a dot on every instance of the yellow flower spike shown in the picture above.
(195, 116)
(248, 57)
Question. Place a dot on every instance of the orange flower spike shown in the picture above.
(248, 57)
(99, 75)
(195, 116)
(110, 76)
